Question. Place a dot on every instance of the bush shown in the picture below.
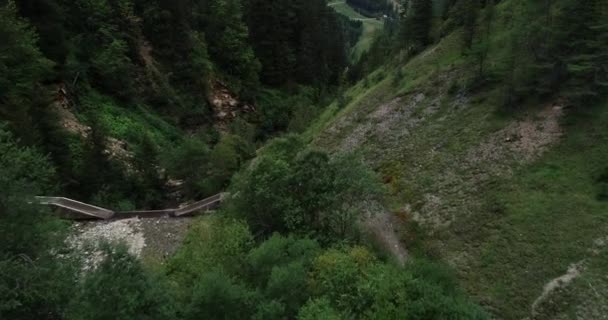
(318, 309)
(119, 288)
(278, 251)
(24, 173)
(358, 285)
(216, 296)
(211, 244)
(308, 193)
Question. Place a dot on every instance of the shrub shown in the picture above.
(119, 288)
(318, 309)
(216, 296)
(306, 194)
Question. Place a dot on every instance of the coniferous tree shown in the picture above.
(481, 47)
(272, 30)
(571, 61)
(420, 21)
(228, 43)
(600, 46)
(468, 12)
(298, 41)
(416, 24)
(22, 68)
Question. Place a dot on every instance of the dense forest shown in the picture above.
(551, 46)
(132, 104)
(162, 62)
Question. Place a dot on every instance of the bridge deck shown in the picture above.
(91, 211)
(77, 206)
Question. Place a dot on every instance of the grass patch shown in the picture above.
(370, 29)
(544, 219)
(343, 8)
(129, 124)
(520, 227)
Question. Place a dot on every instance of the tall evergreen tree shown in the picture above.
(228, 43)
(22, 68)
(573, 60)
(468, 11)
(416, 23)
(421, 20)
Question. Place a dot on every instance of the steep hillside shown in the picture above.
(454, 168)
(512, 197)
(126, 98)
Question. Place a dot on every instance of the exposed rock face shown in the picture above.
(226, 105)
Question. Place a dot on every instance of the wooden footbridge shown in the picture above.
(81, 210)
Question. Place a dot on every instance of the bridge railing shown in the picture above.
(205, 204)
(77, 206)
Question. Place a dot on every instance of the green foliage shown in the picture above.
(298, 41)
(397, 294)
(288, 284)
(419, 21)
(28, 233)
(227, 156)
(187, 161)
(358, 285)
(278, 251)
(227, 35)
(480, 49)
(206, 172)
(285, 111)
(149, 66)
(38, 286)
(114, 68)
(211, 244)
(216, 296)
(318, 309)
(103, 45)
(147, 164)
(293, 277)
(119, 288)
(565, 54)
(308, 193)
(22, 69)
(24, 173)
(339, 274)
(168, 54)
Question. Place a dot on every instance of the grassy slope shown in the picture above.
(546, 217)
(507, 226)
(130, 123)
(370, 27)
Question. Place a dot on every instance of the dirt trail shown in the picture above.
(382, 226)
(574, 271)
(592, 288)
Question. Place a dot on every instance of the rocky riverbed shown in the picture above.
(155, 238)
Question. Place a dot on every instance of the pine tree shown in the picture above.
(599, 45)
(573, 61)
(22, 68)
(271, 24)
(468, 12)
(481, 48)
(228, 44)
(421, 19)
